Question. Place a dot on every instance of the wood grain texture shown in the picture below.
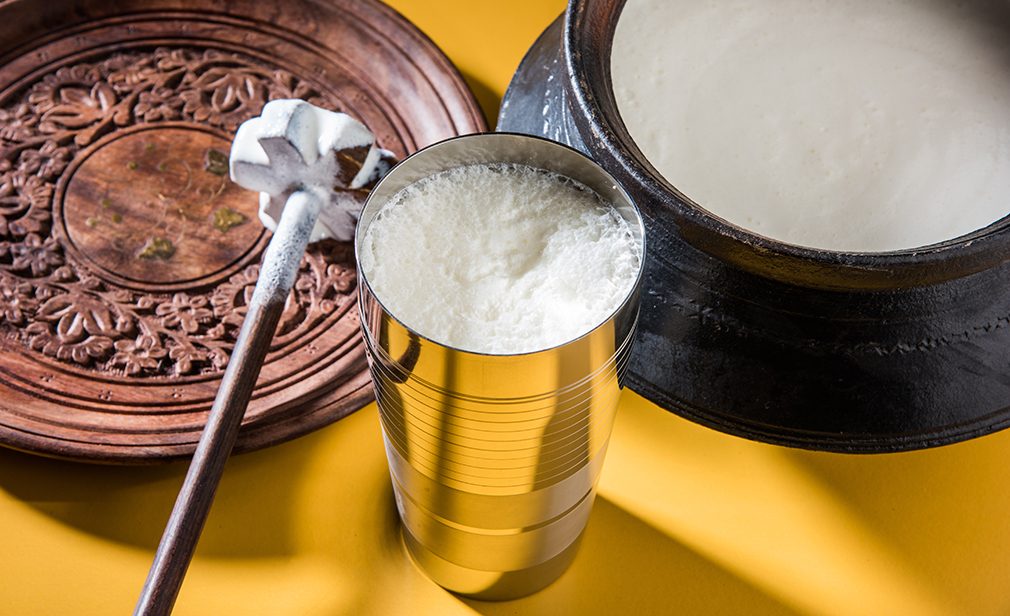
(127, 260)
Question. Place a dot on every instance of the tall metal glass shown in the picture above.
(494, 458)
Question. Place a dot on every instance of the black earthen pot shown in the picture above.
(824, 350)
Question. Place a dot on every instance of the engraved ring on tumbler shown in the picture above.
(494, 458)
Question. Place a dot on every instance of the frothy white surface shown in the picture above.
(852, 125)
(499, 259)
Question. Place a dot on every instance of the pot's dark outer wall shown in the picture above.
(834, 351)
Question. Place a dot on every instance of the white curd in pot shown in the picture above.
(851, 125)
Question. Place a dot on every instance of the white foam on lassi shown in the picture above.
(499, 258)
(853, 125)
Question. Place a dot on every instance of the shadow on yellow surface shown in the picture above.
(687, 517)
(129, 505)
(313, 523)
(626, 566)
(944, 510)
(688, 520)
(487, 97)
(914, 533)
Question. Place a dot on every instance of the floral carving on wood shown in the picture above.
(60, 308)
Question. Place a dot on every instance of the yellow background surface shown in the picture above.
(688, 521)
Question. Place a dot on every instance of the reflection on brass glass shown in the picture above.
(494, 458)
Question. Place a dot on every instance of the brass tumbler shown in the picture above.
(494, 458)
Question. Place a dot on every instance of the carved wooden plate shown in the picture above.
(127, 256)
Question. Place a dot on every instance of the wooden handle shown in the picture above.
(277, 274)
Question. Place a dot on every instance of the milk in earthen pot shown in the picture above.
(851, 125)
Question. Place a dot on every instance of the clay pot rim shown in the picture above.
(588, 33)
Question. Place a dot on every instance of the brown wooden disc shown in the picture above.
(127, 256)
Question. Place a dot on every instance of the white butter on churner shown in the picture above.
(499, 258)
(294, 146)
(853, 125)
